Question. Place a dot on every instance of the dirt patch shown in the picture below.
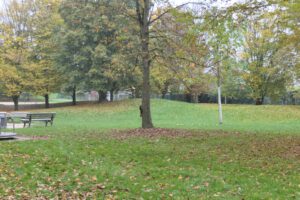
(150, 133)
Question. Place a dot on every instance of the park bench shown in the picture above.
(40, 117)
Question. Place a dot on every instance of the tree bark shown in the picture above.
(165, 90)
(143, 18)
(74, 96)
(102, 96)
(16, 102)
(259, 101)
(47, 105)
(163, 95)
(137, 93)
(111, 95)
(220, 105)
(194, 98)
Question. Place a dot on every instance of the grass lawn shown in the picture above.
(254, 155)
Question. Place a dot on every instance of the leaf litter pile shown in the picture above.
(151, 133)
(287, 146)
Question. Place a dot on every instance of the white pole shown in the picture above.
(220, 106)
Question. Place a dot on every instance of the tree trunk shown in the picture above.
(137, 93)
(220, 105)
(16, 102)
(143, 17)
(194, 98)
(259, 101)
(146, 116)
(163, 95)
(102, 96)
(111, 95)
(47, 105)
(165, 90)
(74, 96)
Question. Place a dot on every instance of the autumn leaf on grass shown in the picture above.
(206, 184)
(94, 178)
(197, 187)
(100, 186)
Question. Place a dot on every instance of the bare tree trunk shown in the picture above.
(16, 102)
(146, 115)
(220, 105)
(101, 96)
(194, 98)
(165, 90)
(143, 13)
(74, 96)
(111, 95)
(259, 101)
(47, 105)
(137, 93)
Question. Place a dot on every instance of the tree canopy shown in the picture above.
(250, 49)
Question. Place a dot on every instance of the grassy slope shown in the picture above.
(81, 158)
(171, 114)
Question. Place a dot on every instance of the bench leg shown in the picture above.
(46, 123)
(24, 124)
(29, 124)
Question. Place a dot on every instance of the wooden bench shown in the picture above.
(41, 117)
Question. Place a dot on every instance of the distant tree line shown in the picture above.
(250, 49)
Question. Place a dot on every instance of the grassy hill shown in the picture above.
(172, 114)
(254, 155)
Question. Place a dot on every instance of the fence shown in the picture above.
(213, 98)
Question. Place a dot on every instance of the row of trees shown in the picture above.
(145, 46)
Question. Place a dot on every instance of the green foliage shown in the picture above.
(180, 55)
(15, 47)
(267, 72)
(26, 55)
(96, 45)
(44, 76)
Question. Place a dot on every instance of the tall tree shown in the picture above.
(96, 60)
(74, 55)
(145, 18)
(143, 14)
(181, 53)
(44, 21)
(16, 43)
(264, 72)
